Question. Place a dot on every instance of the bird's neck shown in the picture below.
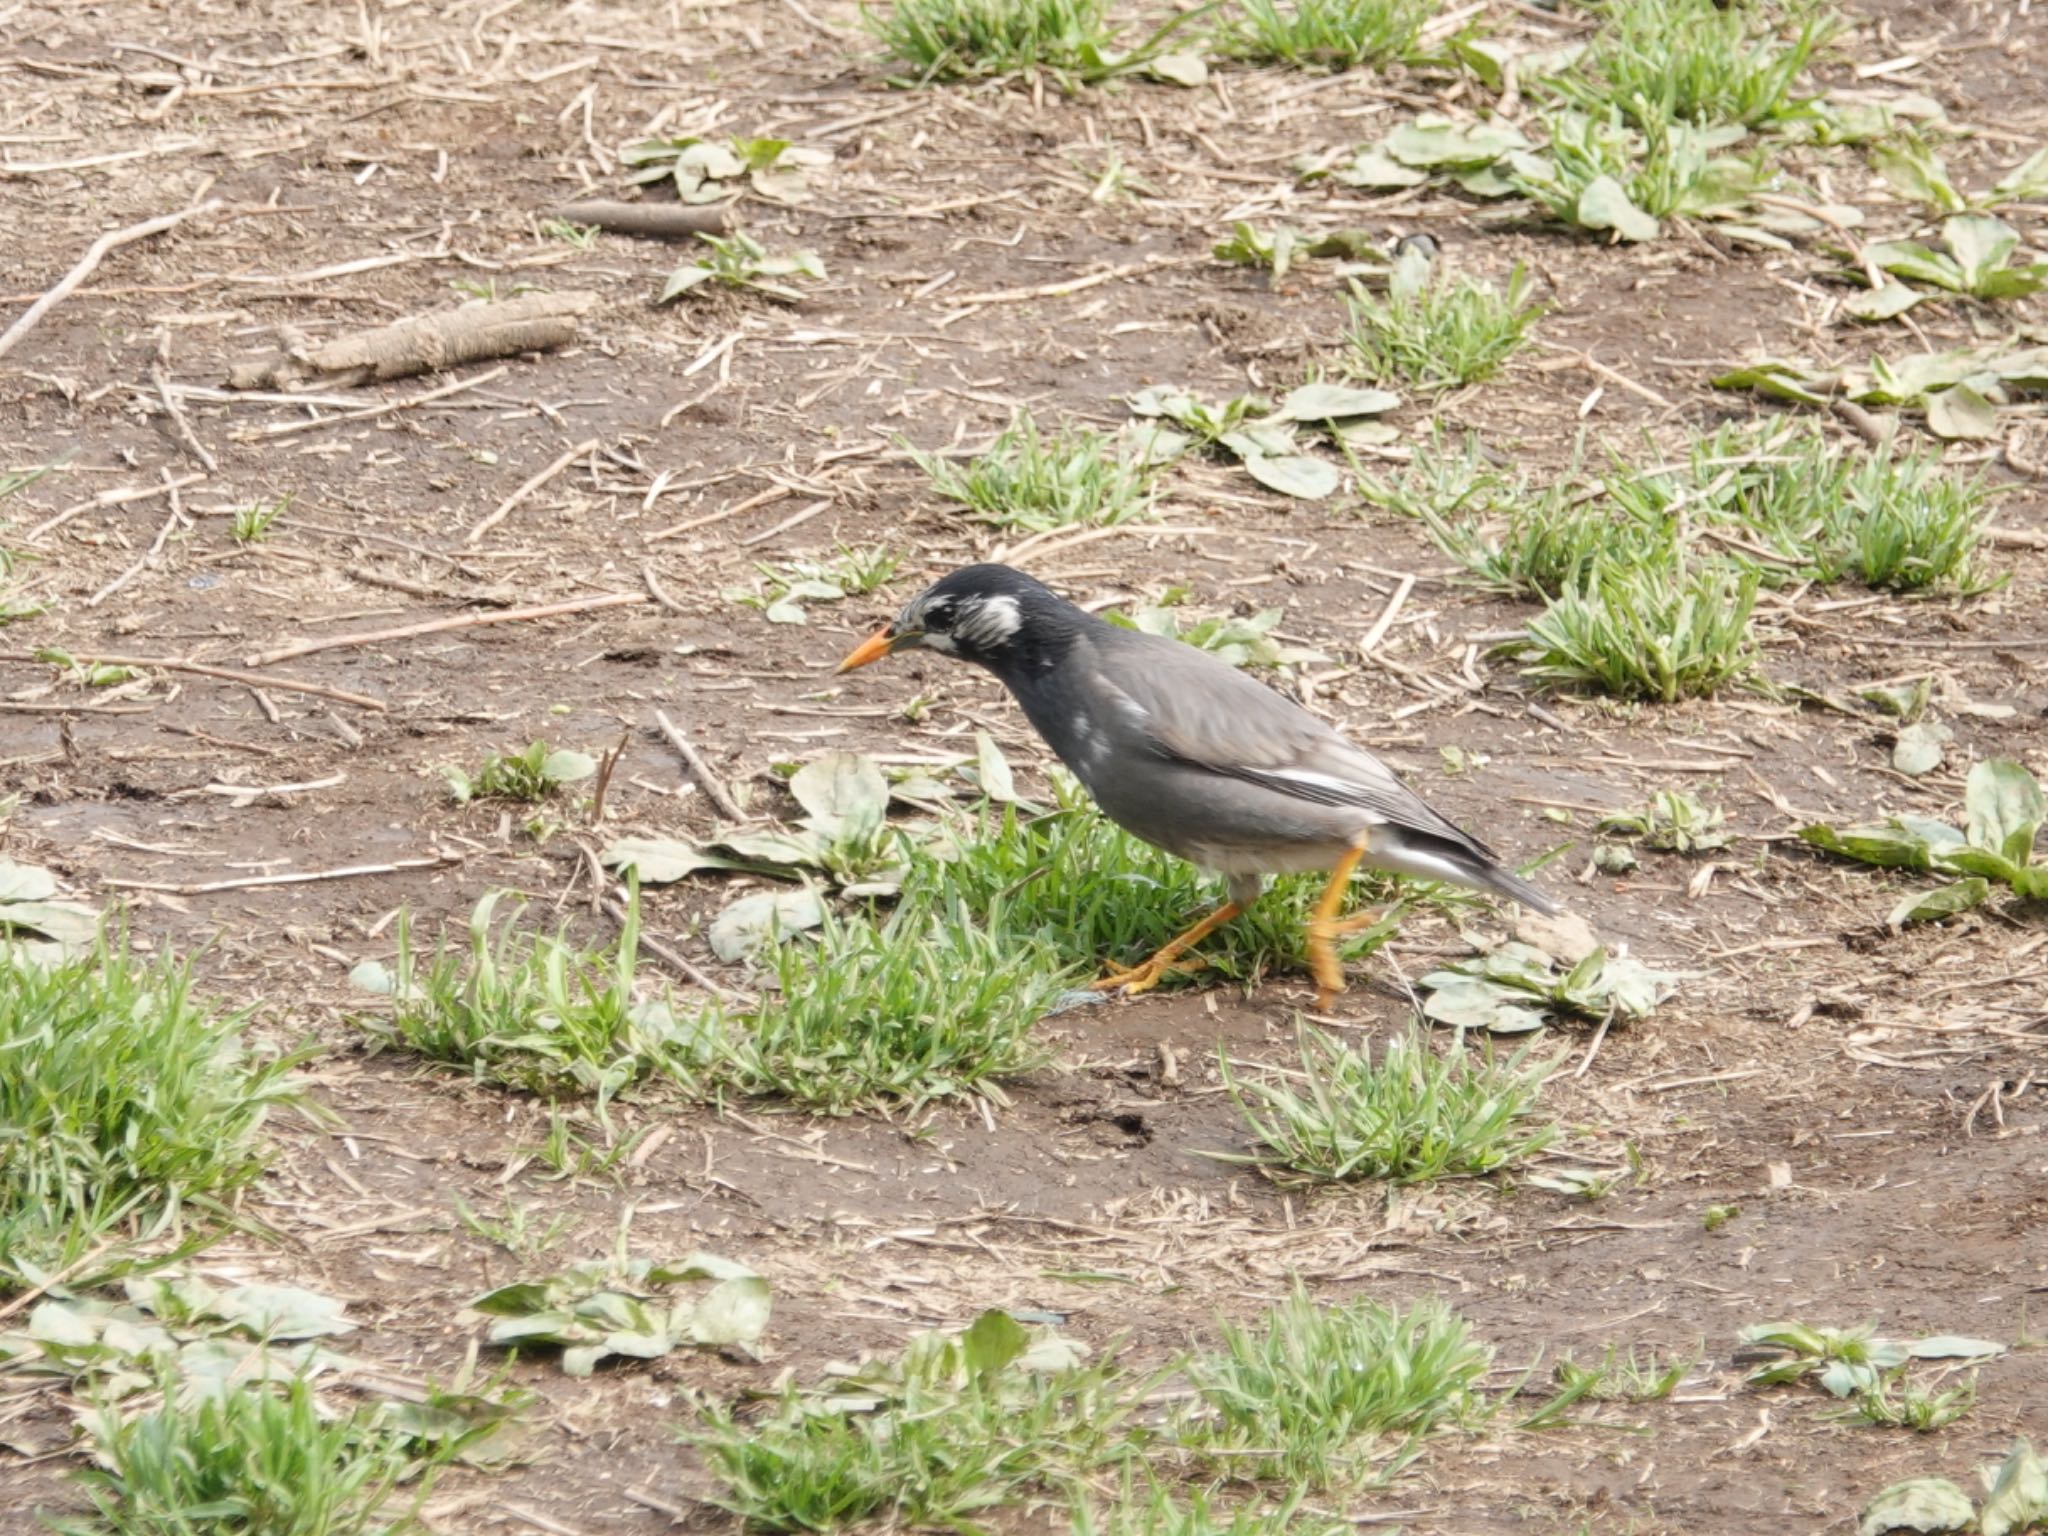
(1038, 647)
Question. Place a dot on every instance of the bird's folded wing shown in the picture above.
(1199, 710)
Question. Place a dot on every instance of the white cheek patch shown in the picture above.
(988, 622)
(939, 640)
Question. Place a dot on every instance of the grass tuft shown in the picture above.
(930, 1003)
(1412, 1115)
(976, 39)
(244, 1459)
(1303, 1398)
(1036, 481)
(1156, 1512)
(1332, 34)
(124, 1099)
(1689, 61)
(925, 1442)
(1438, 333)
(530, 776)
(1648, 632)
(536, 1012)
(1088, 892)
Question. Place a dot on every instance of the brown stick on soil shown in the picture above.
(533, 322)
(89, 262)
(436, 626)
(658, 221)
(714, 790)
(540, 478)
(226, 674)
(311, 877)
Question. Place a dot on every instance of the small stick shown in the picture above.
(533, 483)
(436, 626)
(287, 428)
(606, 767)
(1065, 285)
(658, 592)
(89, 262)
(107, 499)
(184, 428)
(226, 674)
(661, 221)
(801, 515)
(700, 770)
(1594, 1049)
(616, 911)
(29, 1296)
(209, 887)
(772, 494)
(2016, 538)
(1385, 621)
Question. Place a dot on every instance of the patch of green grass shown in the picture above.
(1599, 173)
(1307, 1397)
(949, 1432)
(1437, 333)
(1526, 540)
(1647, 632)
(1410, 1116)
(1623, 1376)
(1673, 821)
(125, 1101)
(1036, 481)
(1918, 1408)
(515, 1231)
(220, 1461)
(740, 261)
(976, 39)
(1331, 34)
(531, 776)
(1157, 1512)
(1689, 61)
(1077, 884)
(933, 1001)
(252, 523)
(1795, 506)
(11, 606)
(536, 1012)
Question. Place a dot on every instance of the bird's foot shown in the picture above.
(1322, 953)
(1357, 922)
(1146, 975)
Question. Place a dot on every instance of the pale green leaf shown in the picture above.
(1605, 205)
(1925, 1504)
(1293, 475)
(752, 921)
(1947, 901)
(2005, 809)
(1960, 412)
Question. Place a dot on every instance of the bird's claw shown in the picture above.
(1144, 976)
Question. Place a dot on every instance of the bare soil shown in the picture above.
(1872, 1102)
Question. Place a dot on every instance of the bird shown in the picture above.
(1189, 754)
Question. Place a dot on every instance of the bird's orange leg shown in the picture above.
(1144, 977)
(1324, 925)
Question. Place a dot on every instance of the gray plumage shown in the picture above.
(1188, 753)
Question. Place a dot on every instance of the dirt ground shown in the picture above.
(1870, 1101)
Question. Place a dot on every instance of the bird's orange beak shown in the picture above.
(874, 648)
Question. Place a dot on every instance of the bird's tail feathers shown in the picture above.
(1429, 856)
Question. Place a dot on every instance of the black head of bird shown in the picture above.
(1186, 752)
(991, 615)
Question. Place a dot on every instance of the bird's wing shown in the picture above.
(1190, 706)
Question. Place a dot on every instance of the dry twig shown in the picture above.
(436, 626)
(95, 253)
(708, 781)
